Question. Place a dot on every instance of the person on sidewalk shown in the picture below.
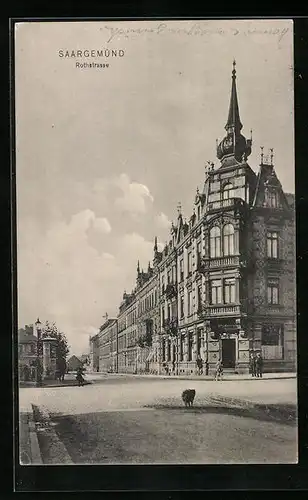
(199, 365)
(252, 364)
(173, 367)
(219, 370)
(79, 376)
(259, 365)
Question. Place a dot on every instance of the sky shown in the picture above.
(104, 155)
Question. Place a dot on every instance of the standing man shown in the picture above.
(252, 364)
(259, 365)
(219, 370)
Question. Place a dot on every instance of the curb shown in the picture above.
(36, 457)
(56, 448)
(195, 377)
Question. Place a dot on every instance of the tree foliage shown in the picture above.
(51, 330)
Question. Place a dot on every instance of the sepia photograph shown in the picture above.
(156, 257)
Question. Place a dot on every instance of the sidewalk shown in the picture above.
(96, 376)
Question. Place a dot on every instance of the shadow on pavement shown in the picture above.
(279, 413)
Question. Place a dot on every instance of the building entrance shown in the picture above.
(228, 353)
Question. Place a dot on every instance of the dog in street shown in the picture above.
(188, 397)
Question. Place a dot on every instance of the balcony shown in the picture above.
(224, 204)
(218, 263)
(170, 290)
(170, 326)
(220, 310)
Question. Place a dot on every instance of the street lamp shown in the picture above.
(38, 342)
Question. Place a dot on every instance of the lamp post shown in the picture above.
(38, 345)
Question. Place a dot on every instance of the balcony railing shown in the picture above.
(219, 262)
(170, 290)
(220, 310)
(222, 204)
(170, 325)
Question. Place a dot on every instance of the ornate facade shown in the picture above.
(224, 285)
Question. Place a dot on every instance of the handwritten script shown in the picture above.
(194, 30)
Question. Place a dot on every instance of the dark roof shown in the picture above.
(290, 199)
(73, 358)
(26, 338)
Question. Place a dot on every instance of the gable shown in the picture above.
(269, 192)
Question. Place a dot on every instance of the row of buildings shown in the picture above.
(223, 286)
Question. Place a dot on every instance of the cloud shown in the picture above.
(62, 278)
(134, 196)
(162, 221)
(102, 225)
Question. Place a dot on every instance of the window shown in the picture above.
(168, 351)
(215, 241)
(199, 341)
(228, 236)
(273, 199)
(228, 192)
(182, 347)
(199, 295)
(216, 292)
(169, 311)
(272, 341)
(190, 346)
(272, 291)
(169, 276)
(189, 263)
(163, 284)
(199, 254)
(163, 350)
(181, 270)
(272, 244)
(198, 211)
(189, 303)
(181, 306)
(163, 315)
(229, 290)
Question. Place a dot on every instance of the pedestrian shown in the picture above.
(252, 364)
(199, 365)
(219, 370)
(79, 376)
(259, 365)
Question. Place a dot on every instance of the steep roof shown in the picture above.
(26, 338)
(267, 177)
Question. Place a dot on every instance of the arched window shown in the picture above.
(228, 236)
(228, 191)
(215, 242)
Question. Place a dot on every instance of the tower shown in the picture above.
(234, 147)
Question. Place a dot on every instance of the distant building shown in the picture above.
(74, 363)
(107, 346)
(94, 353)
(27, 353)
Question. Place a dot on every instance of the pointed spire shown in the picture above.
(272, 155)
(138, 267)
(262, 154)
(179, 208)
(155, 245)
(233, 122)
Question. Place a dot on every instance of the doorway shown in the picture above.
(228, 353)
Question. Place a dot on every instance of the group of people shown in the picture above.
(256, 365)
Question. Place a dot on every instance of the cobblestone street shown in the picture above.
(143, 420)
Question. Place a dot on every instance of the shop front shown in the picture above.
(227, 340)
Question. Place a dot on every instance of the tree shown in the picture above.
(28, 329)
(51, 330)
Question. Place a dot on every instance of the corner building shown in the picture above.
(224, 285)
